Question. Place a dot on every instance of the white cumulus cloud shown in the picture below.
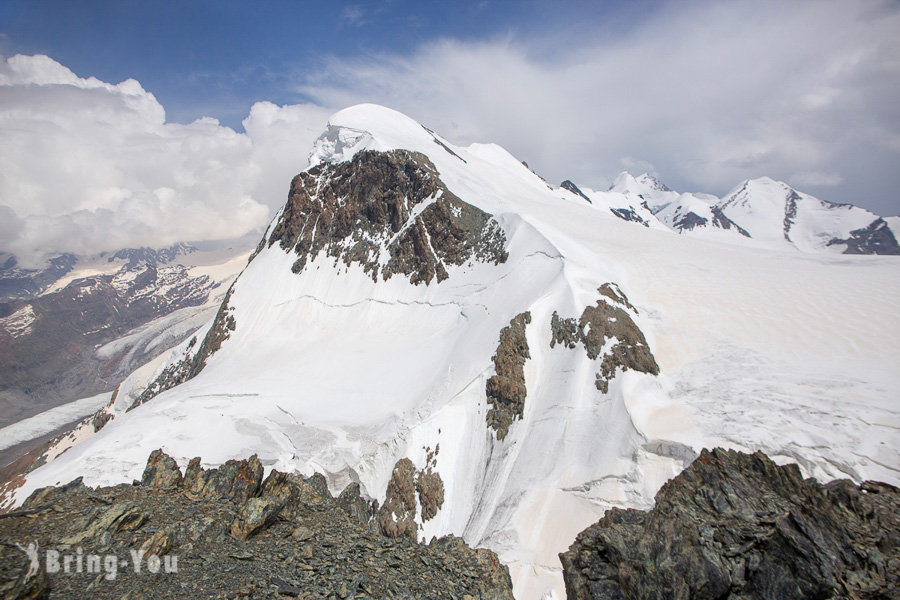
(87, 166)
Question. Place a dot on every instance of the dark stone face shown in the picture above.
(600, 323)
(351, 210)
(876, 238)
(735, 526)
(506, 390)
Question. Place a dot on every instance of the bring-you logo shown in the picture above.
(76, 562)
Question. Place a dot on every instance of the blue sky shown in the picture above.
(216, 58)
(227, 97)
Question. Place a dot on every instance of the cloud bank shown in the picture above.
(87, 166)
(704, 93)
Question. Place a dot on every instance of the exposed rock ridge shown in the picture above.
(790, 213)
(689, 221)
(227, 533)
(628, 214)
(722, 221)
(195, 360)
(506, 390)
(390, 213)
(601, 324)
(397, 516)
(875, 238)
(568, 185)
(736, 526)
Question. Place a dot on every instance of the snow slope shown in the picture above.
(331, 371)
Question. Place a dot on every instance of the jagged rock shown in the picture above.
(192, 473)
(568, 185)
(238, 480)
(499, 583)
(737, 526)
(601, 323)
(351, 210)
(506, 390)
(875, 238)
(310, 549)
(159, 543)
(255, 515)
(397, 514)
(357, 508)
(628, 214)
(47, 495)
(161, 471)
(101, 523)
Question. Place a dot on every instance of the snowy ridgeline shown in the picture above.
(321, 367)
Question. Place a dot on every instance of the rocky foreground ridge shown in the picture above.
(227, 533)
(737, 526)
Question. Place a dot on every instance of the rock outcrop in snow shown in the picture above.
(609, 334)
(506, 390)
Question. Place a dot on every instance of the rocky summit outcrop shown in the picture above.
(390, 213)
(227, 533)
(737, 526)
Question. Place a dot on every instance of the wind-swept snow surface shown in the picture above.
(330, 369)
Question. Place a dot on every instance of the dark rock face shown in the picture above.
(385, 202)
(568, 185)
(723, 222)
(288, 537)
(597, 325)
(506, 390)
(397, 516)
(398, 513)
(876, 238)
(691, 220)
(737, 526)
(790, 213)
(628, 214)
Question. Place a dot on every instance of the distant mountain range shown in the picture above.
(758, 212)
(79, 326)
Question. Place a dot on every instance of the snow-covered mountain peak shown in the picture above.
(545, 357)
(626, 183)
(778, 216)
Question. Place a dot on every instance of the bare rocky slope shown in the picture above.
(228, 533)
